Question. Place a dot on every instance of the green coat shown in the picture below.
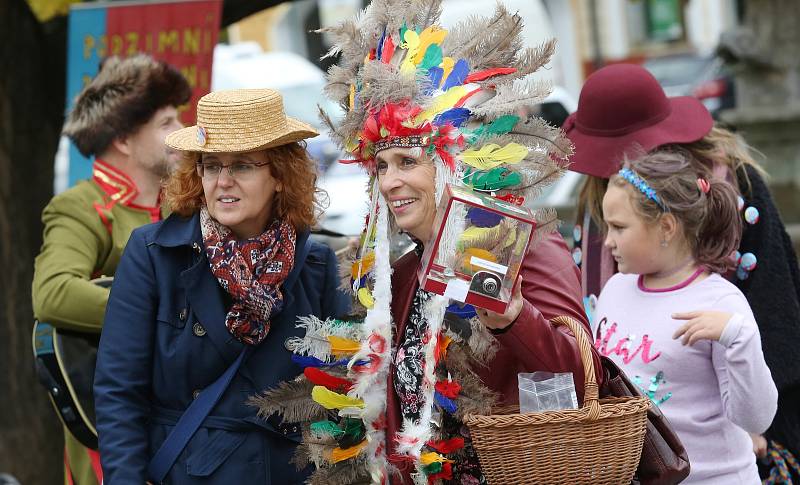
(85, 230)
(84, 235)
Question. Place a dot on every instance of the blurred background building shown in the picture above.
(677, 40)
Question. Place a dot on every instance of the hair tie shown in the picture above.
(703, 185)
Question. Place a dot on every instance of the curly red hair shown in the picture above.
(299, 203)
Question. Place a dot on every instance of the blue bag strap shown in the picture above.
(200, 408)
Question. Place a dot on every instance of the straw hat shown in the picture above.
(240, 120)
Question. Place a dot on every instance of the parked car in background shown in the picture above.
(299, 81)
(348, 204)
(704, 77)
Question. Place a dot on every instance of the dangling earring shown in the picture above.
(664, 243)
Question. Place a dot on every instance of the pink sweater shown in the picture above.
(711, 392)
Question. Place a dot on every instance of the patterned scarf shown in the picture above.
(251, 272)
(408, 381)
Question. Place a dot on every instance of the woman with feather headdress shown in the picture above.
(426, 108)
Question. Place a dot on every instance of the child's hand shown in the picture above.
(759, 445)
(705, 325)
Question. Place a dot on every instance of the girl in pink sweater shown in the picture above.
(677, 328)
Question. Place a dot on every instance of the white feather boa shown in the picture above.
(377, 346)
(413, 436)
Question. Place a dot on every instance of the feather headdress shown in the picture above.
(464, 99)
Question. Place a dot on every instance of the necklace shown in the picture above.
(640, 282)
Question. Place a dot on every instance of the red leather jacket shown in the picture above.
(551, 287)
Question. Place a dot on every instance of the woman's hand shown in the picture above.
(499, 321)
(704, 325)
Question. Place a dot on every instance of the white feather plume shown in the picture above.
(512, 97)
(371, 386)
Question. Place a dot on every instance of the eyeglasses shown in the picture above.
(237, 170)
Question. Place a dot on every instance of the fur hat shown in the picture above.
(124, 95)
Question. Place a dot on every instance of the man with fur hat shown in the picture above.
(121, 117)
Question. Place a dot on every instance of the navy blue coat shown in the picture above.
(164, 339)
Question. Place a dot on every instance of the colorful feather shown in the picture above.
(457, 76)
(440, 103)
(432, 457)
(306, 361)
(483, 218)
(341, 347)
(365, 298)
(455, 117)
(326, 428)
(433, 468)
(445, 474)
(478, 253)
(446, 447)
(411, 46)
(447, 67)
(352, 98)
(445, 403)
(315, 341)
(498, 178)
(464, 99)
(339, 454)
(388, 50)
(491, 155)
(322, 378)
(448, 389)
(354, 432)
(435, 75)
(433, 35)
(289, 400)
(362, 266)
(479, 237)
(433, 57)
(462, 311)
(500, 126)
(332, 400)
(379, 47)
(487, 73)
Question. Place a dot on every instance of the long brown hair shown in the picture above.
(722, 146)
(299, 203)
(590, 199)
(709, 222)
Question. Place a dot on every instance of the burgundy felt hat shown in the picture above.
(621, 110)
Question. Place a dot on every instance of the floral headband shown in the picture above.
(642, 187)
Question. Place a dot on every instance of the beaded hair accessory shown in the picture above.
(642, 187)
(401, 142)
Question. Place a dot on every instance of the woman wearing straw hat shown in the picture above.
(204, 301)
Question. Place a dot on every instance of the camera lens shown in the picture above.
(490, 286)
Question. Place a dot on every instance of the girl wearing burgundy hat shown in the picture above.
(622, 111)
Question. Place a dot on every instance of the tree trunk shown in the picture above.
(32, 60)
(32, 92)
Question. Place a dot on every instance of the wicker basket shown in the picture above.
(599, 443)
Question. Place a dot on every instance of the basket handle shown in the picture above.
(590, 390)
